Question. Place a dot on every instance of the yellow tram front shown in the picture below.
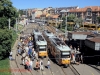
(42, 52)
(65, 57)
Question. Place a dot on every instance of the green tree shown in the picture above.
(20, 12)
(71, 18)
(98, 18)
(7, 11)
(64, 21)
(5, 42)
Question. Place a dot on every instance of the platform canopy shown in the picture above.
(78, 35)
(93, 43)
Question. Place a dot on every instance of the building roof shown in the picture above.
(93, 8)
(73, 7)
(54, 16)
(38, 16)
(63, 10)
(34, 10)
(96, 39)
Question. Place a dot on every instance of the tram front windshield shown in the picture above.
(42, 48)
(65, 54)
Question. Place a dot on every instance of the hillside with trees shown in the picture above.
(7, 10)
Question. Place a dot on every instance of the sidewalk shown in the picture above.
(13, 65)
(85, 70)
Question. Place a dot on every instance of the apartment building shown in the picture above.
(89, 14)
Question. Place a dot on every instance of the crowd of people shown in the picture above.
(76, 56)
(28, 53)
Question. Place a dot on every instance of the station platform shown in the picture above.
(84, 69)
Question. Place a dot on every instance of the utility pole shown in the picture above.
(83, 24)
(66, 27)
(56, 22)
(16, 24)
(9, 23)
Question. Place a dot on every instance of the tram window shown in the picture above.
(42, 49)
(65, 55)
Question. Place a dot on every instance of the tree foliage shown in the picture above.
(98, 18)
(21, 12)
(64, 21)
(7, 11)
(5, 42)
(71, 18)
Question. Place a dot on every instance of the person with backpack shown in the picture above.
(41, 65)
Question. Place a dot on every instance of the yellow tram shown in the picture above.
(59, 50)
(40, 44)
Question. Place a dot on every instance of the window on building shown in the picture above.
(89, 12)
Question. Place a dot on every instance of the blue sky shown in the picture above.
(24, 4)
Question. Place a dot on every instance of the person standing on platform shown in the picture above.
(48, 64)
(37, 65)
(31, 65)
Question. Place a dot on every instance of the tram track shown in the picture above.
(50, 28)
(74, 71)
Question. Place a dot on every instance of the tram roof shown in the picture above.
(37, 32)
(49, 34)
(60, 44)
(40, 40)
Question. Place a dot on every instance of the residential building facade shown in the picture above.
(88, 14)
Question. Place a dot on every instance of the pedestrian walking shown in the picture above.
(41, 65)
(81, 58)
(73, 56)
(10, 56)
(31, 64)
(27, 64)
(18, 51)
(23, 58)
(27, 48)
(48, 64)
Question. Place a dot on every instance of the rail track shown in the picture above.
(26, 72)
(50, 28)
